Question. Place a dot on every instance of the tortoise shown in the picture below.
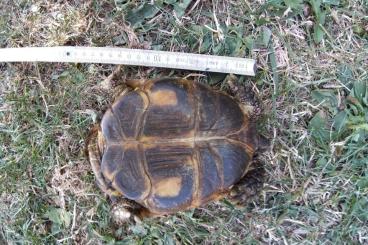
(171, 144)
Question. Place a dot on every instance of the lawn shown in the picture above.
(312, 80)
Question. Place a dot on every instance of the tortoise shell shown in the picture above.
(172, 144)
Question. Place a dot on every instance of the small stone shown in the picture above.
(34, 8)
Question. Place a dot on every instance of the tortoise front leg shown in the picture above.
(248, 187)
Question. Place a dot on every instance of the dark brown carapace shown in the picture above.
(172, 144)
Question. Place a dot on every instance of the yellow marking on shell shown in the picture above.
(247, 109)
(113, 193)
(164, 98)
(169, 187)
(214, 197)
(118, 97)
(144, 98)
(185, 140)
(129, 144)
(116, 189)
(125, 91)
(136, 83)
(109, 175)
(154, 142)
(101, 143)
(249, 148)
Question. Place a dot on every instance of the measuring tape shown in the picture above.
(136, 57)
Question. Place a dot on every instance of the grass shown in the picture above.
(312, 79)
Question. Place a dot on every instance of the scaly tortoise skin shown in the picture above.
(172, 144)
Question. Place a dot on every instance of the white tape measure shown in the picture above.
(138, 57)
